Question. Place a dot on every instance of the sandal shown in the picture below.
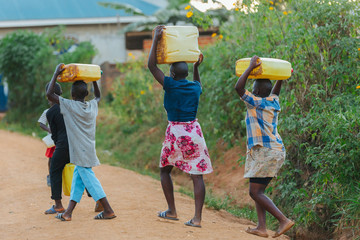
(60, 216)
(52, 210)
(164, 215)
(101, 216)
(192, 224)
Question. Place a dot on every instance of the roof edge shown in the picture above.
(72, 21)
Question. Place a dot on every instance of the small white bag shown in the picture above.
(48, 141)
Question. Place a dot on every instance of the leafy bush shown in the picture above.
(28, 61)
(137, 98)
(320, 118)
(23, 55)
(319, 184)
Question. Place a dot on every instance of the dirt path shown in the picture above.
(134, 197)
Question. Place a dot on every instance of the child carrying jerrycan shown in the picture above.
(265, 149)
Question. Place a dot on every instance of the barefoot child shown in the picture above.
(60, 156)
(80, 120)
(184, 146)
(265, 149)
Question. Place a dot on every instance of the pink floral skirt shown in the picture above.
(185, 148)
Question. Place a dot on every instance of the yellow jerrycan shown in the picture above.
(270, 68)
(178, 44)
(67, 176)
(77, 71)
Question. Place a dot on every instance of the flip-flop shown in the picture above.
(101, 216)
(286, 228)
(191, 224)
(164, 215)
(60, 216)
(257, 233)
(52, 210)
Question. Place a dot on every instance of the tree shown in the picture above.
(174, 13)
(28, 61)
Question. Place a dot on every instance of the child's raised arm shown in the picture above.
(96, 92)
(196, 75)
(277, 87)
(50, 93)
(156, 72)
(240, 85)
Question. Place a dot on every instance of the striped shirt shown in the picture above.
(261, 121)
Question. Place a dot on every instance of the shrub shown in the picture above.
(137, 97)
(28, 61)
(319, 184)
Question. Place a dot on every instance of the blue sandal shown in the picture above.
(53, 211)
(192, 224)
(101, 216)
(60, 216)
(164, 215)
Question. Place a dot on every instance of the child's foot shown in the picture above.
(284, 227)
(62, 217)
(54, 210)
(193, 223)
(167, 215)
(103, 215)
(257, 232)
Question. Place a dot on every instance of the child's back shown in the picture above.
(80, 120)
(266, 152)
(57, 126)
(184, 146)
(181, 99)
(261, 121)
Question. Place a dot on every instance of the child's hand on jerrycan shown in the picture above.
(254, 62)
(201, 58)
(158, 31)
(59, 69)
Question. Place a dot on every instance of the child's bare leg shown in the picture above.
(98, 206)
(199, 193)
(68, 212)
(168, 189)
(58, 205)
(261, 213)
(108, 211)
(257, 194)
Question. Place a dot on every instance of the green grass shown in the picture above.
(24, 128)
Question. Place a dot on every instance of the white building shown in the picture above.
(85, 20)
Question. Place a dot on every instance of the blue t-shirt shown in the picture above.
(181, 99)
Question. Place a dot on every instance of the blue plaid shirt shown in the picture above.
(261, 121)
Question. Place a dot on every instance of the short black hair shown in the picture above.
(262, 87)
(57, 88)
(79, 90)
(180, 69)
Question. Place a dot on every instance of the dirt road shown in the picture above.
(134, 197)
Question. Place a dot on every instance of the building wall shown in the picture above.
(106, 38)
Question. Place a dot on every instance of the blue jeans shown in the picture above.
(85, 177)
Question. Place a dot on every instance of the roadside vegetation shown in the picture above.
(319, 186)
